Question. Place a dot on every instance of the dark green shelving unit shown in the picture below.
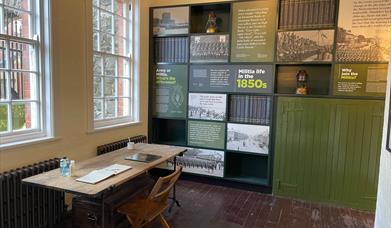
(304, 129)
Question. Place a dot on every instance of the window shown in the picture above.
(112, 63)
(23, 78)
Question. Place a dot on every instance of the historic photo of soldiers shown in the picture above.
(201, 161)
(171, 21)
(205, 106)
(364, 35)
(248, 138)
(305, 46)
(209, 48)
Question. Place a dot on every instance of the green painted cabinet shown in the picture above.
(328, 150)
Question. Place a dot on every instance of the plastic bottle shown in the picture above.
(67, 170)
(72, 168)
(62, 166)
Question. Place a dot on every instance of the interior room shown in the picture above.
(197, 113)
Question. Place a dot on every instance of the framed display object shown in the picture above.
(204, 106)
(248, 138)
(201, 161)
(170, 21)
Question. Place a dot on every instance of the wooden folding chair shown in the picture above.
(142, 211)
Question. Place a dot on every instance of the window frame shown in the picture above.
(133, 112)
(40, 29)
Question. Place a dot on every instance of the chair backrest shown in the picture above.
(164, 185)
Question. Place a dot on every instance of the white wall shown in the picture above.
(70, 95)
(383, 207)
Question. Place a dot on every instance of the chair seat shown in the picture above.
(133, 208)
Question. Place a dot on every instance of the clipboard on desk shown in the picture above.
(141, 157)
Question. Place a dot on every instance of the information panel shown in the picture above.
(169, 91)
(364, 31)
(206, 134)
(360, 79)
(204, 106)
(231, 78)
(253, 31)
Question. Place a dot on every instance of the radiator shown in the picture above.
(120, 144)
(23, 205)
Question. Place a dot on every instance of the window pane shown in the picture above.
(95, 18)
(123, 87)
(19, 4)
(23, 86)
(109, 87)
(120, 8)
(110, 66)
(106, 22)
(3, 57)
(24, 116)
(98, 103)
(97, 65)
(95, 3)
(97, 87)
(123, 107)
(106, 43)
(3, 117)
(3, 85)
(22, 56)
(16, 23)
(96, 41)
(106, 4)
(120, 26)
(123, 67)
(110, 108)
(120, 46)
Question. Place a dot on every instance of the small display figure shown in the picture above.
(211, 25)
(302, 82)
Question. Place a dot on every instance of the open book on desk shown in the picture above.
(99, 175)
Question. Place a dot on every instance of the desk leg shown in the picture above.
(174, 200)
(102, 200)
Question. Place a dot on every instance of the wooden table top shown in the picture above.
(54, 180)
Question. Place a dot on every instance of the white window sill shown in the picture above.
(25, 143)
(111, 127)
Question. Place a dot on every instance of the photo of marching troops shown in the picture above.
(209, 48)
(305, 46)
(201, 161)
(356, 47)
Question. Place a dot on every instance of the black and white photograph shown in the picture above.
(364, 35)
(305, 46)
(206, 106)
(209, 48)
(171, 21)
(201, 161)
(248, 138)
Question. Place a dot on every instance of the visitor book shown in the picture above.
(99, 175)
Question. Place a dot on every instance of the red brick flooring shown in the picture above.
(205, 206)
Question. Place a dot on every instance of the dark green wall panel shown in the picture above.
(328, 150)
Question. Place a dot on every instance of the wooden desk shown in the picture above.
(54, 180)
